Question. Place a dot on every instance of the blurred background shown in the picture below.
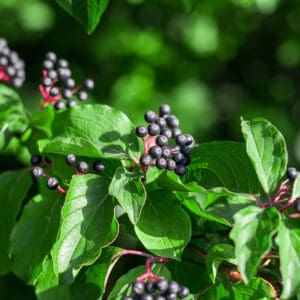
(213, 61)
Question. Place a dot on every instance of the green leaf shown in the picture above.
(288, 242)
(267, 151)
(87, 225)
(48, 287)
(252, 233)
(34, 235)
(128, 189)
(123, 284)
(225, 164)
(296, 188)
(258, 289)
(91, 282)
(92, 131)
(164, 228)
(216, 255)
(87, 12)
(10, 201)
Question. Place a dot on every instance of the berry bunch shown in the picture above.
(82, 167)
(159, 149)
(58, 87)
(161, 289)
(12, 67)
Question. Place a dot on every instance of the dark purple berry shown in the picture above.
(186, 161)
(171, 164)
(138, 287)
(183, 292)
(145, 159)
(52, 74)
(180, 170)
(153, 129)
(166, 132)
(17, 82)
(37, 172)
(292, 173)
(51, 56)
(62, 63)
(150, 286)
(63, 73)
(161, 163)
(69, 83)
(180, 139)
(71, 103)
(155, 151)
(189, 140)
(52, 183)
(185, 150)
(98, 166)
(159, 297)
(178, 157)
(88, 84)
(54, 91)
(171, 296)
(150, 116)
(141, 131)
(70, 159)
(60, 105)
(161, 140)
(48, 64)
(162, 285)
(297, 205)
(161, 122)
(173, 287)
(166, 152)
(35, 159)
(164, 109)
(82, 95)
(82, 167)
(127, 298)
(172, 121)
(175, 132)
(46, 81)
(146, 297)
(66, 93)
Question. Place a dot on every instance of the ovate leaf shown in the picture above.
(92, 131)
(10, 202)
(296, 188)
(87, 12)
(87, 225)
(253, 230)
(34, 235)
(216, 255)
(288, 242)
(130, 193)
(222, 164)
(267, 151)
(164, 227)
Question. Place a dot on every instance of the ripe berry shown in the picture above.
(180, 170)
(173, 287)
(186, 161)
(297, 205)
(63, 73)
(292, 173)
(52, 74)
(62, 63)
(36, 159)
(82, 95)
(171, 164)
(175, 132)
(166, 132)
(127, 298)
(159, 297)
(183, 292)
(69, 83)
(48, 64)
(52, 183)
(189, 140)
(161, 122)
(17, 82)
(162, 285)
(146, 297)
(66, 93)
(185, 149)
(171, 296)
(164, 109)
(155, 151)
(166, 152)
(60, 105)
(51, 56)
(145, 159)
(70, 159)
(46, 81)
(150, 116)
(89, 84)
(54, 91)
(161, 163)
(71, 103)
(178, 157)
(82, 167)
(161, 140)
(37, 172)
(180, 139)
(150, 287)
(141, 131)
(153, 129)
(98, 166)
(138, 287)
(172, 121)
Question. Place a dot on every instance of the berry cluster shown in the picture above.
(12, 68)
(58, 87)
(53, 184)
(161, 289)
(159, 150)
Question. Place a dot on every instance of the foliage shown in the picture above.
(230, 219)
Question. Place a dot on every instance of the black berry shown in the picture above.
(150, 116)
(89, 84)
(180, 170)
(166, 132)
(71, 103)
(161, 122)
(161, 163)
(185, 149)
(145, 160)
(138, 287)
(161, 140)
(60, 105)
(37, 172)
(162, 285)
(52, 183)
(82, 167)
(155, 151)
(36, 159)
(153, 129)
(183, 292)
(141, 131)
(150, 286)
(51, 56)
(70, 159)
(164, 109)
(292, 173)
(180, 139)
(172, 121)
(171, 164)
(82, 95)
(98, 166)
